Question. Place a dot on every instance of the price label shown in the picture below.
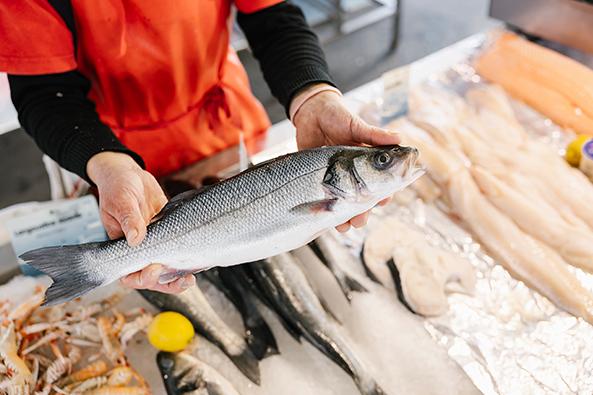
(63, 222)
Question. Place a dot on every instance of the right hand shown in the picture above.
(129, 197)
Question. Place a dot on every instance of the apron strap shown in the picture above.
(64, 8)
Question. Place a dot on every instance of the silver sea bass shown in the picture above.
(274, 207)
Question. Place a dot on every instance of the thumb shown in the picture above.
(363, 133)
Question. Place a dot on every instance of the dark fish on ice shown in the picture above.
(296, 301)
(325, 248)
(183, 373)
(258, 334)
(192, 303)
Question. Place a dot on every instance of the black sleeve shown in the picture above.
(287, 49)
(55, 111)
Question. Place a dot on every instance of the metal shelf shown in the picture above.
(331, 19)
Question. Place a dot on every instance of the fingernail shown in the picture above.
(132, 235)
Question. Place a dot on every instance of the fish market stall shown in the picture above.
(473, 280)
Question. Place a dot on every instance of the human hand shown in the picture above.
(324, 120)
(129, 197)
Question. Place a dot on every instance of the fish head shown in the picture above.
(166, 363)
(179, 372)
(369, 173)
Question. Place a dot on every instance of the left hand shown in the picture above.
(324, 120)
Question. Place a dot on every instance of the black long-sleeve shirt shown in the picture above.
(55, 111)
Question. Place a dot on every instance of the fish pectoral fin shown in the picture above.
(328, 310)
(172, 274)
(317, 206)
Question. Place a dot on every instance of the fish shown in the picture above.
(273, 207)
(192, 303)
(527, 259)
(325, 247)
(428, 273)
(551, 83)
(258, 334)
(486, 131)
(182, 373)
(266, 295)
(573, 243)
(423, 274)
(295, 300)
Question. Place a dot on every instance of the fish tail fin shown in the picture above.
(347, 283)
(247, 363)
(350, 284)
(258, 334)
(69, 269)
(261, 341)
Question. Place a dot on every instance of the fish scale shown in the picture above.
(274, 207)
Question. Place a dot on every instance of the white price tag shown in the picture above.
(63, 222)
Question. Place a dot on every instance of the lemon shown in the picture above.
(170, 331)
(574, 149)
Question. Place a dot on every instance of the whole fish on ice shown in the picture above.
(258, 334)
(288, 291)
(185, 374)
(192, 303)
(276, 206)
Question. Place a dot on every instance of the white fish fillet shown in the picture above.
(544, 196)
(427, 189)
(527, 259)
(494, 117)
(573, 243)
(441, 164)
(534, 191)
(428, 273)
(558, 178)
(490, 136)
(533, 158)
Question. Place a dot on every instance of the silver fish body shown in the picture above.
(183, 373)
(192, 303)
(271, 208)
(296, 301)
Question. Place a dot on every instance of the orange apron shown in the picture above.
(163, 75)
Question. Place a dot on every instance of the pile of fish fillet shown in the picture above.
(530, 210)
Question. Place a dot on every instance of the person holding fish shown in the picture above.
(122, 92)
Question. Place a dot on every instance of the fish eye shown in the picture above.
(382, 160)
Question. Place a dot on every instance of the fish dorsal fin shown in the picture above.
(175, 202)
(244, 160)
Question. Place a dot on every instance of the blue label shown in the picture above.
(588, 149)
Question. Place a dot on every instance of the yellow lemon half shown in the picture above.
(575, 148)
(170, 331)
